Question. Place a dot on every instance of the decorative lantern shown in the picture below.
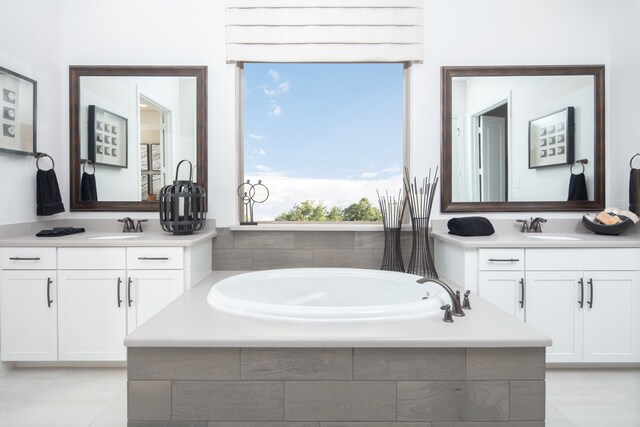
(183, 205)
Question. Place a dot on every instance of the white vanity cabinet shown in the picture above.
(586, 299)
(28, 300)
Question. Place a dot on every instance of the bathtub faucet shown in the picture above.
(455, 300)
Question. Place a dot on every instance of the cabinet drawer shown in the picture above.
(501, 259)
(28, 258)
(91, 259)
(608, 259)
(155, 258)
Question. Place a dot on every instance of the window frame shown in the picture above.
(406, 145)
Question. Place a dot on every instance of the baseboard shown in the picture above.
(71, 364)
(6, 367)
(591, 365)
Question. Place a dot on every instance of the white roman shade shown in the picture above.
(324, 30)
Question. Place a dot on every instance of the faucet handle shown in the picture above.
(525, 225)
(139, 225)
(465, 303)
(128, 224)
(447, 313)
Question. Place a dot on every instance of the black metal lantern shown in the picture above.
(183, 205)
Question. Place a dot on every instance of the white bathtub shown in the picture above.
(327, 294)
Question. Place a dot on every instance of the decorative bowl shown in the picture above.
(610, 230)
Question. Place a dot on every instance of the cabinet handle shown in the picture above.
(18, 258)
(581, 300)
(590, 302)
(146, 258)
(129, 291)
(49, 300)
(119, 297)
(521, 293)
(504, 260)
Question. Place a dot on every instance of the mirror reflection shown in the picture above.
(130, 127)
(517, 138)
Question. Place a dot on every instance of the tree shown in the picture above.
(309, 211)
(361, 211)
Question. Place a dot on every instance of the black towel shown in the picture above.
(88, 191)
(48, 199)
(577, 187)
(60, 231)
(470, 226)
(634, 191)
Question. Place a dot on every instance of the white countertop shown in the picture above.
(190, 322)
(88, 239)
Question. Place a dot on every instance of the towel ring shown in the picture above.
(84, 162)
(576, 163)
(41, 155)
(631, 161)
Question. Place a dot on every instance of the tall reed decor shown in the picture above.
(420, 200)
(392, 210)
(183, 205)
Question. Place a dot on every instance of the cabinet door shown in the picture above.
(504, 289)
(611, 316)
(28, 305)
(92, 315)
(552, 307)
(149, 291)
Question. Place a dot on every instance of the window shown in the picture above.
(330, 134)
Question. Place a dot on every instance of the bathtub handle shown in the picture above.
(581, 300)
(521, 293)
(590, 302)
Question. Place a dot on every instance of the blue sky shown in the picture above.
(322, 124)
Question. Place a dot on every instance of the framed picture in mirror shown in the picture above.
(106, 130)
(551, 139)
(17, 113)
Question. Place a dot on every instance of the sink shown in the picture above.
(551, 237)
(115, 237)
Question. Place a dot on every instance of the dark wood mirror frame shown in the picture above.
(75, 165)
(448, 73)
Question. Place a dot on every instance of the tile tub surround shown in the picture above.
(386, 387)
(293, 247)
(484, 369)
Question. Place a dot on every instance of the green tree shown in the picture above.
(361, 211)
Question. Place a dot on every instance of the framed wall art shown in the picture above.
(551, 139)
(107, 138)
(18, 96)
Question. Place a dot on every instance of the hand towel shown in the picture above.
(88, 191)
(577, 187)
(470, 226)
(48, 199)
(59, 231)
(634, 191)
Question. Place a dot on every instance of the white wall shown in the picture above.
(50, 36)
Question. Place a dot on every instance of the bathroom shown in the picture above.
(41, 40)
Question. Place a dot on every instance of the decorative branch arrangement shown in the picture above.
(420, 199)
(250, 194)
(392, 210)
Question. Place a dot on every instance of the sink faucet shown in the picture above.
(128, 225)
(536, 224)
(455, 300)
(525, 225)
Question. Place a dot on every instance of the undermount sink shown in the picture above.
(551, 237)
(115, 237)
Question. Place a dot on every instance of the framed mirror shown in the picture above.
(516, 138)
(129, 128)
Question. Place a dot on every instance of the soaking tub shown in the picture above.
(328, 294)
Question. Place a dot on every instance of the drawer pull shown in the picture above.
(17, 258)
(119, 297)
(49, 300)
(581, 300)
(590, 302)
(146, 258)
(504, 260)
(129, 291)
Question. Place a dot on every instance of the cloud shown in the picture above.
(285, 191)
(392, 169)
(256, 137)
(284, 86)
(368, 175)
(275, 110)
(269, 92)
(275, 76)
(262, 168)
(259, 152)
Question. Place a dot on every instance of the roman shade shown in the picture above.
(324, 30)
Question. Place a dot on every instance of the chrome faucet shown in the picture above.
(536, 224)
(128, 225)
(455, 298)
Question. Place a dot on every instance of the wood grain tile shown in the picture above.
(167, 363)
(505, 363)
(149, 400)
(267, 259)
(409, 363)
(296, 364)
(324, 240)
(343, 258)
(527, 400)
(263, 239)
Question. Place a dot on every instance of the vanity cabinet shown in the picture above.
(586, 299)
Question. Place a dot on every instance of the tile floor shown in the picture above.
(96, 397)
